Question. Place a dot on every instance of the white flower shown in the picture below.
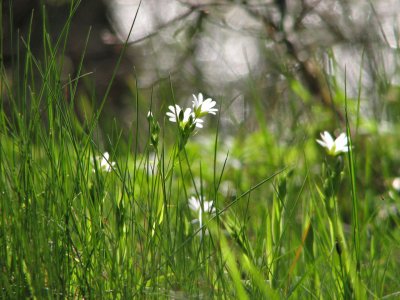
(387, 211)
(202, 107)
(334, 147)
(174, 112)
(196, 205)
(151, 164)
(104, 163)
(396, 184)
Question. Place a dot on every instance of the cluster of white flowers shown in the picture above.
(103, 163)
(192, 116)
(334, 147)
(183, 116)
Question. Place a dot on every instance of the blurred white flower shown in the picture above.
(176, 113)
(334, 147)
(227, 188)
(201, 206)
(231, 161)
(103, 163)
(396, 184)
(387, 211)
(195, 205)
(202, 107)
(151, 164)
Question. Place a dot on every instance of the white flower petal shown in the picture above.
(103, 162)
(341, 141)
(208, 206)
(326, 136)
(106, 155)
(199, 123)
(323, 144)
(186, 115)
(194, 203)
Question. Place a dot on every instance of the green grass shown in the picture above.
(289, 221)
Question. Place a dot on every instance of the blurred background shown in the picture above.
(275, 64)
